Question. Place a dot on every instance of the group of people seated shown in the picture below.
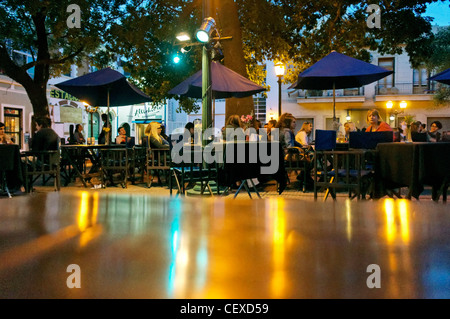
(432, 135)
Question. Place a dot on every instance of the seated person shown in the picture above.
(433, 135)
(78, 136)
(122, 137)
(303, 136)
(233, 128)
(45, 138)
(163, 133)
(153, 131)
(4, 138)
(286, 125)
(190, 127)
(349, 127)
(375, 122)
(270, 125)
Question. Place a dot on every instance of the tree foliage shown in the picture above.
(40, 27)
(142, 33)
(301, 32)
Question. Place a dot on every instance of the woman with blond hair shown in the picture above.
(303, 136)
(375, 122)
(155, 140)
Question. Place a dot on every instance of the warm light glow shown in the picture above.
(392, 117)
(278, 221)
(348, 214)
(389, 104)
(403, 104)
(85, 104)
(404, 220)
(83, 218)
(348, 118)
(279, 69)
(183, 36)
(390, 220)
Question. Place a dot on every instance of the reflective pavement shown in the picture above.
(138, 245)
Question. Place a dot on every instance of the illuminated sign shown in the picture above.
(57, 94)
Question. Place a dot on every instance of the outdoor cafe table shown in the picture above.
(249, 160)
(75, 156)
(412, 165)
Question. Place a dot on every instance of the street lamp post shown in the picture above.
(279, 72)
(393, 112)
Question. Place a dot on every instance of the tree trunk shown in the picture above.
(36, 87)
(229, 25)
(36, 90)
(38, 98)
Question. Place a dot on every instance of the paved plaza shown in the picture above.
(266, 190)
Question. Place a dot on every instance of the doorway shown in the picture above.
(14, 124)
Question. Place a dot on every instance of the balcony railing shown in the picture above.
(329, 93)
(405, 88)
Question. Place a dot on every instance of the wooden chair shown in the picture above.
(190, 169)
(137, 159)
(45, 164)
(114, 161)
(158, 161)
(298, 160)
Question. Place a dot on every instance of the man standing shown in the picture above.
(106, 130)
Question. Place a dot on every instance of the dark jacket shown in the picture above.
(45, 139)
(102, 136)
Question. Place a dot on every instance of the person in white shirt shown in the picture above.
(122, 137)
(304, 135)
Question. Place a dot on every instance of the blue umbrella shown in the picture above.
(339, 71)
(225, 84)
(443, 77)
(105, 87)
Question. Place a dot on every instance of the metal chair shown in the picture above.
(45, 164)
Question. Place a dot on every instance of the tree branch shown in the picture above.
(52, 61)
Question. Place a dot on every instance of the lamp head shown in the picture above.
(183, 37)
(203, 34)
(279, 69)
(389, 104)
(403, 104)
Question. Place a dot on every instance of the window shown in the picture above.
(260, 108)
(420, 77)
(387, 83)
